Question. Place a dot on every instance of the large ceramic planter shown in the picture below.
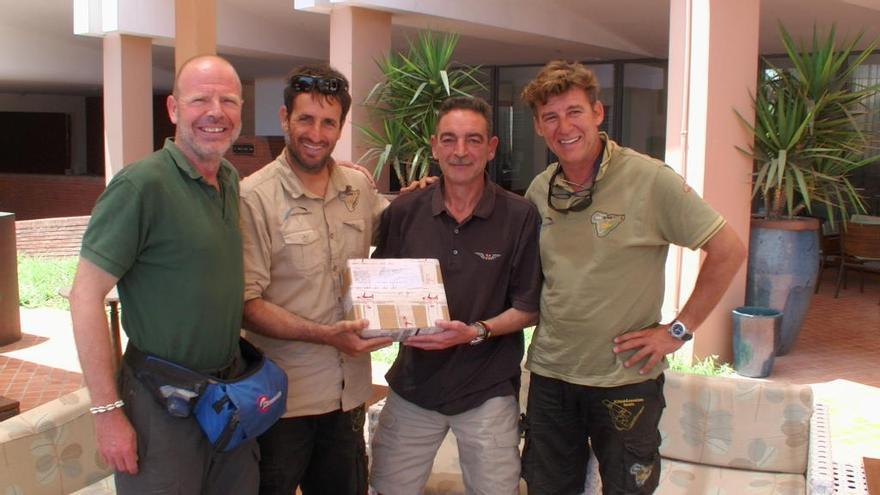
(783, 269)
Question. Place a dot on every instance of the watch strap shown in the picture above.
(483, 332)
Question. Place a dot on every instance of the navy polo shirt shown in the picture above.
(490, 262)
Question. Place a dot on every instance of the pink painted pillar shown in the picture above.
(128, 100)
(713, 63)
(358, 37)
(195, 30)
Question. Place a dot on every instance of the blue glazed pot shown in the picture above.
(782, 272)
(755, 332)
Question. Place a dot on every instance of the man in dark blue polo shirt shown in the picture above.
(465, 378)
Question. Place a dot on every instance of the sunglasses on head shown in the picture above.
(326, 85)
(577, 200)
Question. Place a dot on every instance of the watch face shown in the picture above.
(677, 330)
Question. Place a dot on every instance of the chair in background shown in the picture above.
(860, 251)
(829, 250)
(868, 219)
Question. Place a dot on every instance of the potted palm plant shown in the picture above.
(406, 103)
(807, 142)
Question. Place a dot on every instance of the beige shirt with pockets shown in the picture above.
(295, 248)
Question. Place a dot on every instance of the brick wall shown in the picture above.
(50, 236)
(32, 196)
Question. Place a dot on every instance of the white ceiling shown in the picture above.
(39, 53)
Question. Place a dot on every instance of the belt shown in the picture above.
(137, 359)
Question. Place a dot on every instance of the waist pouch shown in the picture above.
(228, 411)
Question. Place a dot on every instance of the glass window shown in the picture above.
(522, 153)
(868, 178)
(644, 108)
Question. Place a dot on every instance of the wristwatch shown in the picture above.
(679, 331)
(482, 332)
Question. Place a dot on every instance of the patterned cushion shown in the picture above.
(50, 449)
(693, 479)
(737, 423)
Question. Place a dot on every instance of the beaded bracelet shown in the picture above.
(106, 408)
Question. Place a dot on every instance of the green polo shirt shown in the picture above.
(174, 242)
(604, 266)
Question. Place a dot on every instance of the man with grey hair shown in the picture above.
(165, 231)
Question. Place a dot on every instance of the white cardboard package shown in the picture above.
(400, 297)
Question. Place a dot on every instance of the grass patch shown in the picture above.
(385, 355)
(707, 367)
(40, 279)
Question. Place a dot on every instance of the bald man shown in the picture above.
(165, 231)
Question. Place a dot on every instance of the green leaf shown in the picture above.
(807, 125)
(416, 81)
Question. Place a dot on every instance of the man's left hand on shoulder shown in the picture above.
(359, 168)
(454, 333)
(652, 343)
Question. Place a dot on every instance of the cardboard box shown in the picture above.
(399, 297)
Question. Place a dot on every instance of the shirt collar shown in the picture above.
(183, 163)
(294, 186)
(484, 207)
(609, 149)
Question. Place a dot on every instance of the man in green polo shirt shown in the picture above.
(165, 231)
(608, 216)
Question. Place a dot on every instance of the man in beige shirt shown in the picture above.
(302, 217)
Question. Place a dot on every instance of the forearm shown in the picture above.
(724, 256)
(92, 333)
(511, 320)
(271, 320)
(92, 336)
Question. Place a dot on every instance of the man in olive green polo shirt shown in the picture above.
(608, 216)
(165, 231)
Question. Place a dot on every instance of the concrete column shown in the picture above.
(195, 30)
(128, 100)
(713, 63)
(358, 37)
(10, 320)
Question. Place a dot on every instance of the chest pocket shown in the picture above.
(304, 250)
(357, 241)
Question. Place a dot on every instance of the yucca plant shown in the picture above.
(407, 100)
(807, 136)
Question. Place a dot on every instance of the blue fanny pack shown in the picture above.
(228, 411)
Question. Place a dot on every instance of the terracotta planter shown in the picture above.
(783, 269)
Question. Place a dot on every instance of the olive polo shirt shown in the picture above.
(173, 241)
(604, 267)
(489, 263)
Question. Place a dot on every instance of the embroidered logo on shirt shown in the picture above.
(488, 256)
(606, 222)
(350, 197)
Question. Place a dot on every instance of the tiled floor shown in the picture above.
(840, 337)
(840, 340)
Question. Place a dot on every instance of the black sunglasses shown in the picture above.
(326, 85)
(583, 198)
